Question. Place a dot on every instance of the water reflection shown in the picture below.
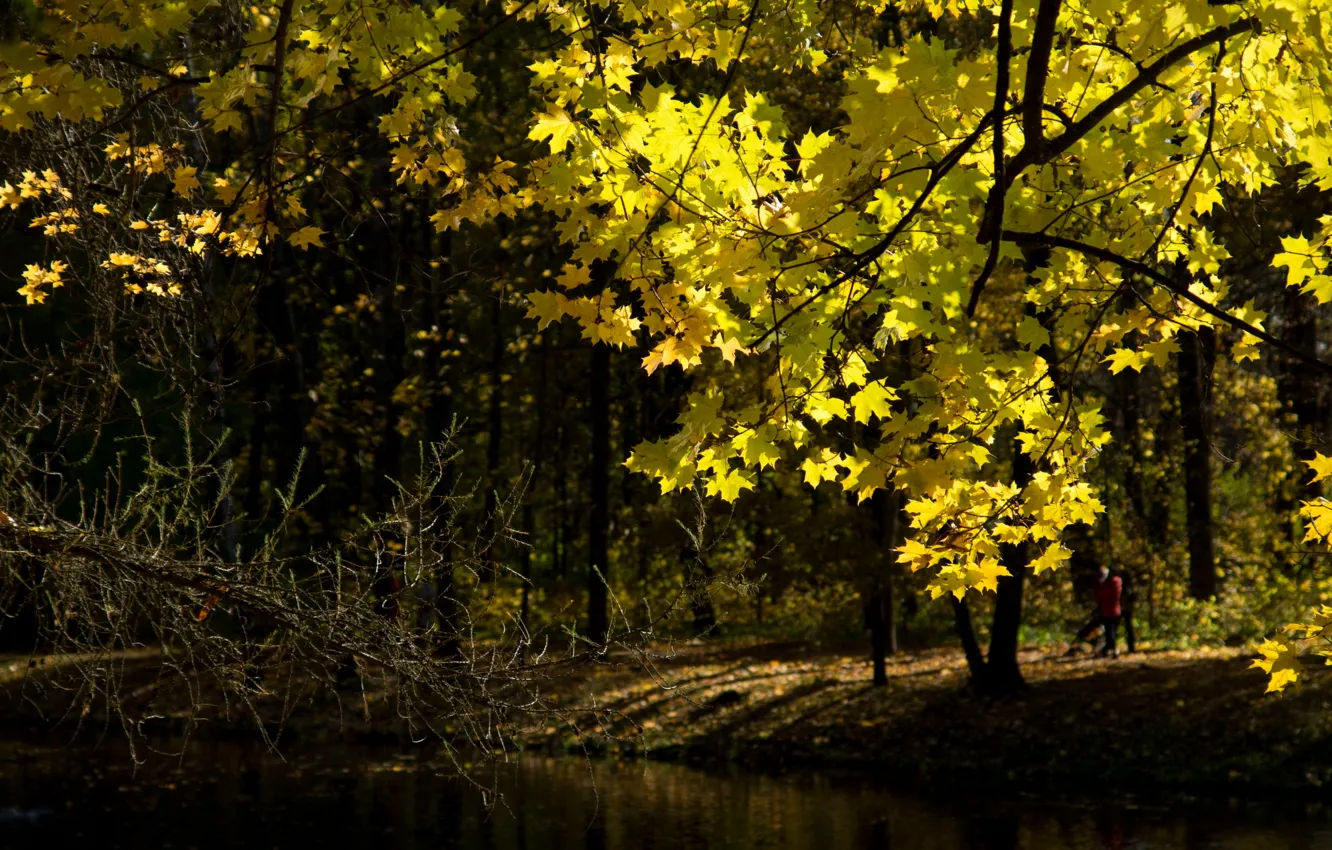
(237, 797)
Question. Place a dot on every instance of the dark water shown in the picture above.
(230, 796)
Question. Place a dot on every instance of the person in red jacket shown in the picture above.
(1108, 613)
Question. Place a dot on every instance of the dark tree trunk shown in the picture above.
(494, 429)
(1128, 421)
(970, 646)
(598, 614)
(1002, 671)
(295, 408)
(216, 426)
(1196, 355)
(529, 496)
(880, 614)
(439, 426)
(999, 671)
(389, 361)
(759, 538)
(565, 525)
(215, 422)
(259, 439)
(1301, 391)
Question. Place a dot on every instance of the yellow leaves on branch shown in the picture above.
(39, 281)
(33, 185)
(1281, 658)
(1307, 263)
(141, 274)
(1317, 513)
(837, 259)
(1321, 466)
(1280, 662)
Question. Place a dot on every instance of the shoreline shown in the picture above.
(1183, 723)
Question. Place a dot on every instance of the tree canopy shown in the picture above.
(895, 243)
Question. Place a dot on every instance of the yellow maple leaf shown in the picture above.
(555, 125)
(305, 237)
(1318, 516)
(728, 346)
(874, 400)
(821, 469)
(184, 180)
(729, 484)
(1279, 662)
(1321, 466)
(986, 575)
(1122, 359)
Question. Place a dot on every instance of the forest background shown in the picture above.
(361, 331)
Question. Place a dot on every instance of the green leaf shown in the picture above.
(1032, 334)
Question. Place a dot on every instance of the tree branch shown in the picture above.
(275, 87)
(1030, 155)
(1166, 282)
(937, 173)
(993, 221)
(1197, 166)
(1038, 70)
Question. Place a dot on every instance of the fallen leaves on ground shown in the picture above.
(1157, 718)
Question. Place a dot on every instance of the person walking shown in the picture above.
(1108, 612)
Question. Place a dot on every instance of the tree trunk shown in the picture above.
(1301, 391)
(495, 430)
(529, 496)
(598, 614)
(1001, 664)
(970, 646)
(999, 672)
(880, 616)
(439, 426)
(255, 474)
(1196, 356)
(565, 525)
(389, 360)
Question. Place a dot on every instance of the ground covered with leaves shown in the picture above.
(1185, 720)
(1194, 721)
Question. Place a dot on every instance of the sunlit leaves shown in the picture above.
(1124, 358)
(305, 237)
(873, 400)
(1321, 466)
(808, 259)
(1280, 661)
(555, 126)
(38, 282)
(183, 180)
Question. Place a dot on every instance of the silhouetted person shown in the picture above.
(1108, 613)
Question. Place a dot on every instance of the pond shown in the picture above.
(233, 795)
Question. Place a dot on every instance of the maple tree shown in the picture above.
(900, 284)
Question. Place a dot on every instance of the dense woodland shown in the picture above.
(452, 339)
